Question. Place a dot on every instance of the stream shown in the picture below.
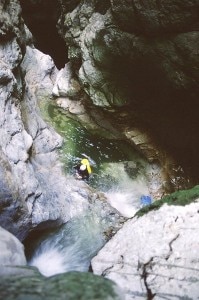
(117, 170)
(68, 248)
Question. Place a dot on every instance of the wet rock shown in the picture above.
(73, 285)
(74, 107)
(34, 189)
(143, 57)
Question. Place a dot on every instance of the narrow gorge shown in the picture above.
(115, 82)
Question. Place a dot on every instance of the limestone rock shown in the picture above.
(30, 171)
(39, 70)
(10, 53)
(12, 251)
(141, 56)
(66, 85)
(74, 107)
(62, 82)
(152, 19)
(164, 266)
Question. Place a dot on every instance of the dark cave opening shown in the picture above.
(41, 18)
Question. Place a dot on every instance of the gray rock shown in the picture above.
(143, 57)
(30, 172)
(12, 251)
(75, 107)
(10, 53)
(154, 256)
(148, 17)
(40, 72)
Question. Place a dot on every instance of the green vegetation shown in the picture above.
(180, 198)
(68, 286)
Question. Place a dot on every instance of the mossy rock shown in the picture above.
(180, 198)
(68, 286)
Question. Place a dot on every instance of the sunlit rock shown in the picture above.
(61, 85)
(75, 107)
(34, 188)
(66, 85)
(40, 72)
(154, 255)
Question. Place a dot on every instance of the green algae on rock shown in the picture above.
(180, 198)
(69, 286)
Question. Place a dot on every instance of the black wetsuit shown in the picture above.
(83, 173)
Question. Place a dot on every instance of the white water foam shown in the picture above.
(125, 195)
(71, 248)
(49, 262)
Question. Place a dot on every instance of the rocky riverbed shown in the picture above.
(133, 71)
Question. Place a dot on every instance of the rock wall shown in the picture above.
(34, 190)
(140, 57)
(117, 63)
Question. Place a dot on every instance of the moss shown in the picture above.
(180, 198)
(68, 286)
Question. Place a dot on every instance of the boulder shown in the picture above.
(12, 251)
(154, 256)
(70, 286)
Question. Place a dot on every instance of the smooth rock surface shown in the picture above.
(12, 251)
(155, 256)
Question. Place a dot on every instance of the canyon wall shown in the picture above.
(34, 189)
(140, 58)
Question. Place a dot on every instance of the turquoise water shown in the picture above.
(117, 170)
(105, 155)
(68, 248)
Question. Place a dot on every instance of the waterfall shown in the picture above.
(118, 171)
(124, 193)
(69, 248)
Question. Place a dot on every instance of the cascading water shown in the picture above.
(69, 248)
(118, 171)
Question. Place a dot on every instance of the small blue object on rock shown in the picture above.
(145, 200)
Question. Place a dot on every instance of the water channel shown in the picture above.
(117, 170)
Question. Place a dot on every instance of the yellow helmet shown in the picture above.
(85, 162)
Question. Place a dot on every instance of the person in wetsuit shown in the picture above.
(82, 172)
